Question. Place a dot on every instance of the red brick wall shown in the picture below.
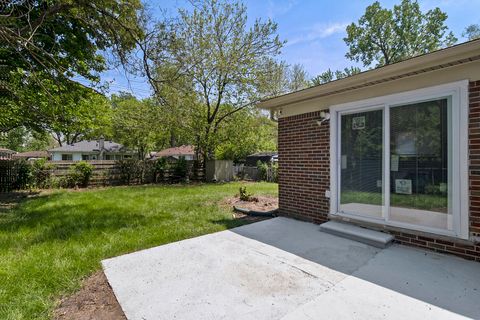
(474, 154)
(304, 176)
(304, 167)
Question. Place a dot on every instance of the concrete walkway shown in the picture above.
(286, 269)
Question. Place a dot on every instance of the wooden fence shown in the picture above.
(253, 173)
(7, 175)
(105, 173)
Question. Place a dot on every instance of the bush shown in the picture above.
(180, 169)
(274, 169)
(244, 194)
(160, 168)
(262, 170)
(267, 172)
(129, 170)
(79, 174)
(41, 173)
(23, 174)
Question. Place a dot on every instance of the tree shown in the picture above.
(21, 140)
(14, 139)
(138, 124)
(221, 57)
(275, 81)
(298, 78)
(78, 115)
(54, 41)
(329, 75)
(384, 36)
(472, 32)
(245, 133)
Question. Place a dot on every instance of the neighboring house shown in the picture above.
(91, 150)
(396, 148)
(32, 155)
(6, 153)
(188, 152)
(251, 160)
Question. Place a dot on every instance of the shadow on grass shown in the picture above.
(43, 222)
(238, 222)
(10, 200)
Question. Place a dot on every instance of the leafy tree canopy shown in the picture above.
(472, 32)
(45, 40)
(219, 56)
(138, 124)
(330, 75)
(383, 36)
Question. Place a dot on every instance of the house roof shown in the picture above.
(176, 151)
(444, 58)
(89, 146)
(32, 154)
(7, 150)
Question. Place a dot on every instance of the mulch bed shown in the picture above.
(259, 203)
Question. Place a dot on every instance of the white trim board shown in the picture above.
(459, 97)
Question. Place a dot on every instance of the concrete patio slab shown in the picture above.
(286, 269)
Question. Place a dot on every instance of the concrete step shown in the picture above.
(352, 232)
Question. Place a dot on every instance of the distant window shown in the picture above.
(108, 157)
(67, 157)
(127, 156)
(85, 157)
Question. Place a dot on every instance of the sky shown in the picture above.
(314, 30)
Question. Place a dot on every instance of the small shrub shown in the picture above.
(129, 170)
(79, 175)
(160, 168)
(41, 171)
(180, 169)
(23, 174)
(55, 182)
(274, 169)
(244, 194)
(262, 170)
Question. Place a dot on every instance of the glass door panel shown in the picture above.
(420, 164)
(361, 163)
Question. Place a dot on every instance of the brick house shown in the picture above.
(395, 149)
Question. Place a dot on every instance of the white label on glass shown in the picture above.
(358, 123)
(344, 161)
(403, 186)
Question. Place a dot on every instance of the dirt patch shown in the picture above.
(94, 301)
(260, 203)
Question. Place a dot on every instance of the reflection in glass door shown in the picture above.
(361, 163)
(417, 188)
(420, 167)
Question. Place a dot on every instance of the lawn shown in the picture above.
(417, 201)
(49, 243)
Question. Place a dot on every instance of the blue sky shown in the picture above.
(314, 30)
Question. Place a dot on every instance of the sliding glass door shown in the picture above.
(420, 164)
(409, 180)
(362, 158)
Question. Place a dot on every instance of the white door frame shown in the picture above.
(460, 201)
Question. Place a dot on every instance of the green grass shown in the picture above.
(418, 201)
(48, 244)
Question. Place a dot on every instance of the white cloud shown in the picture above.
(277, 9)
(318, 31)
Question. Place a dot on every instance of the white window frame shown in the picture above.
(460, 201)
